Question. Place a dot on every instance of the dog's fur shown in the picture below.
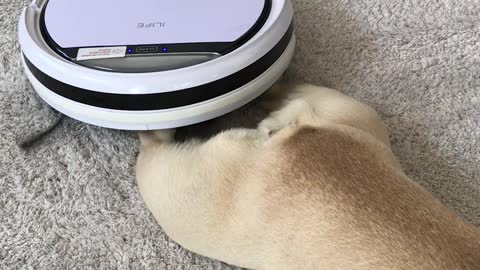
(315, 186)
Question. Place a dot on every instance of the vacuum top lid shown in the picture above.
(93, 23)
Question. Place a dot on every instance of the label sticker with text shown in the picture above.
(101, 52)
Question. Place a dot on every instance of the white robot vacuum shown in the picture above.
(154, 64)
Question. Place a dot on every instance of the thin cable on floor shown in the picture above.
(28, 141)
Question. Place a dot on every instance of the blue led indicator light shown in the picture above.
(164, 49)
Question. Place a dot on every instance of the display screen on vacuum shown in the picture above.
(90, 23)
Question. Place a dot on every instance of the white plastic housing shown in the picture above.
(45, 59)
(171, 118)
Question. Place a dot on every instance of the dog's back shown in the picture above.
(334, 199)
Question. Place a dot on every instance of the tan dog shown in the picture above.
(315, 186)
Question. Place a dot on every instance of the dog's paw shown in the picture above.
(271, 126)
(156, 136)
(267, 128)
(164, 135)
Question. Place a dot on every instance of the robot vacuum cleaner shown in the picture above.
(154, 64)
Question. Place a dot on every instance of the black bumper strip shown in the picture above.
(166, 100)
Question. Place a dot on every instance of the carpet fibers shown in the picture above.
(70, 201)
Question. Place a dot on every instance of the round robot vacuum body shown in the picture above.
(154, 64)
